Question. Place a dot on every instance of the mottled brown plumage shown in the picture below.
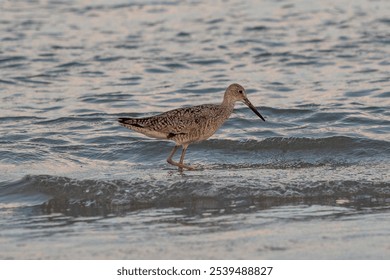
(188, 125)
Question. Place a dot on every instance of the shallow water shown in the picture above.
(312, 182)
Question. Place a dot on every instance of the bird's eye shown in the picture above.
(240, 91)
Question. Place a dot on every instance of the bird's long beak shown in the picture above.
(253, 108)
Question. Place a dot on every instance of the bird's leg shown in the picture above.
(169, 159)
(183, 152)
(180, 164)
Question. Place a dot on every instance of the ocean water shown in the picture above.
(312, 182)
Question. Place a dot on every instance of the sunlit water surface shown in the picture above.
(312, 182)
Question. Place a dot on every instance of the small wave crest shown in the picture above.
(96, 197)
(300, 143)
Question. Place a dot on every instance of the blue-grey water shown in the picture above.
(312, 182)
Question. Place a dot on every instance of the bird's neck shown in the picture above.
(228, 105)
(227, 102)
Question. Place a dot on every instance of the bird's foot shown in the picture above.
(180, 165)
